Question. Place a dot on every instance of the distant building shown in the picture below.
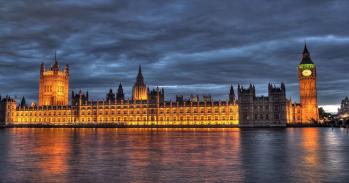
(344, 108)
(343, 111)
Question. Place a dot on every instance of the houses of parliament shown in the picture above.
(149, 107)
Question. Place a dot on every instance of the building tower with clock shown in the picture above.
(307, 88)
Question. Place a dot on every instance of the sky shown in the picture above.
(187, 47)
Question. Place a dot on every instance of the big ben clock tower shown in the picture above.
(307, 88)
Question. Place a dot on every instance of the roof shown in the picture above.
(306, 56)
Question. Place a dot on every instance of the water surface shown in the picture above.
(174, 155)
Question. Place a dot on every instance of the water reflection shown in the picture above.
(311, 147)
(173, 155)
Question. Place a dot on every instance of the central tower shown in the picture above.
(139, 90)
(53, 85)
(307, 88)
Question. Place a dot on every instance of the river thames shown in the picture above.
(174, 155)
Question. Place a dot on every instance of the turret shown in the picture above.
(7, 110)
(283, 88)
(277, 91)
(157, 95)
(139, 90)
(110, 97)
(23, 102)
(42, 69)
(66, 69)
(79, 98)
(55, 66)
(120, 94)
(231, 94)
(54, 85)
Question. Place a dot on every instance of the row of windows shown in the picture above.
(113, 112)
(43, 114)
(48, 88)
(160, 111)
(26, 120)
(120, 119)
(144, 106)
(160, 119)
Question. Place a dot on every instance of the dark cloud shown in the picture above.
(186, 46)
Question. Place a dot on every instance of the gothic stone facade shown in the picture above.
(54, 85)
(307, 88)
(126, 113)
(148, 107)
(262, 111)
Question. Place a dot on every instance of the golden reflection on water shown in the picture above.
(310, 144)
(49, 150)
(173, 155)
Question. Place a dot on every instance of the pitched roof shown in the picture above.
(306, 56)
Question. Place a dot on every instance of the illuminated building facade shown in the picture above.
(307, 88)
(126, 112)
(149, 107)
(139, 90)
(54, 85)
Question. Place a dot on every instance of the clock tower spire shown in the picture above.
(307, 88)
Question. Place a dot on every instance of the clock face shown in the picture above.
(306, 73)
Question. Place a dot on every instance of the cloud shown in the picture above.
(195, 45)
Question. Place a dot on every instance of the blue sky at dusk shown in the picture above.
(187, 47)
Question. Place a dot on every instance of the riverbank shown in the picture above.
(108, 125)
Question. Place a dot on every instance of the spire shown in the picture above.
(306, 56)
(283, 86)
(120, 94)
(55, 55)
(55, 66)
(231, 94)
(42, 68)
(23, 102)
(110, 96)
(305, 50)
(140, 79)
(56, 62)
